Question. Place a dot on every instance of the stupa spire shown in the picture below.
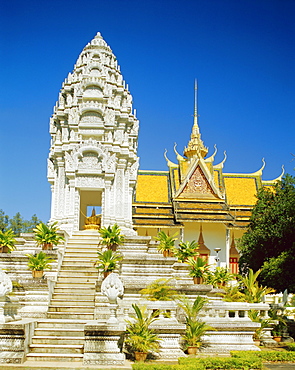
(195, 145)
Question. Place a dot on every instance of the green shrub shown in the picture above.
(266, 356)
(290, 347)
(158, 366)
(223, 362)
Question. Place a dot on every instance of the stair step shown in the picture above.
(56, 348)
(74, 302)
(58, 332)
(73, 316)
(79, 275)
(75, 280)
(70, 357)
(70, 291)
(78, 267)
(57, 339)
(76, 284)
(70, 309)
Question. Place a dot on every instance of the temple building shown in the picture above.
(93, 164)
(195, 198)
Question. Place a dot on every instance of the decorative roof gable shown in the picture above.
(199, 183)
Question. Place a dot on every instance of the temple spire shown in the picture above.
(195, 145)
(196, 125)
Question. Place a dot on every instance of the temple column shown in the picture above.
(52, 187)
(119, 187)
(227, 246)
(60, 188)
(107, 203)
(76, 209)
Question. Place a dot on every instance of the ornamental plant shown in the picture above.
(111, 236)
(7, 240)
(47, 235)
(197, 267)
(252, 290)
(139, 337)
(186, 250)
(219, 277)
(195, 328)
(107, 260)
(159, 290)
(166, 243)
(39, 261)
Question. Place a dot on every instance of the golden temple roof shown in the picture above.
(240, 190)
(152, 187)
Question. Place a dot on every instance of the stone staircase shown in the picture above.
(61, 336)
(57, 340)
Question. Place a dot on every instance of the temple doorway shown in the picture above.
(90, 200)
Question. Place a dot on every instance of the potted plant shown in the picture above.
(198, 268)
(38, 263)
(219, 277)
(281, 325)
(141, 340)
(194, 331)
(7, 241)
(166, 243)
(111, 236)
(159, 290)
(107, 261)
(254, 315)
(47, 236)
(195, 328)
(186, 250)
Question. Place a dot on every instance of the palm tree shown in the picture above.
(252, 290)
(187, 249)
(166, 245)
(191, 309)
(139, 337)
(111, 236)
(194, 328)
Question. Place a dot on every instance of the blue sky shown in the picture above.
(242, 53)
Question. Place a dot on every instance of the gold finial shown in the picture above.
(195, 144)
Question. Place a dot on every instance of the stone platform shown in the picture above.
(44, 365)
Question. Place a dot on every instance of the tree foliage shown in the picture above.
(17, 223)
(269, 242)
